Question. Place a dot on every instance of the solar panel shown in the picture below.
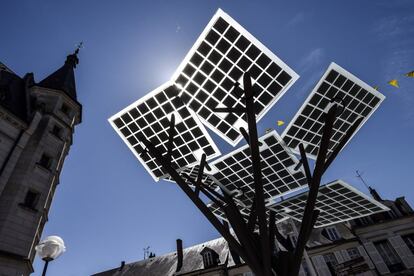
(337, 202)
(234, 170)
(359, 99)
(193, 173)
(150, 116)
(218, 212)
(218, 59)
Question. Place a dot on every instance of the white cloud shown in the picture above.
(312, 59)
(310, 66)
(295, 20)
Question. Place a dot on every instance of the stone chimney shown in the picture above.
(122, 266)
(179, 254)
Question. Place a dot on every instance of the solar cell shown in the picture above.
(150, 116)
(218, 59)
(337, 202)
(218, 212)
(234, 170)
(336, 85)
(193, 173)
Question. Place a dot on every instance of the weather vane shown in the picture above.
(78, 47)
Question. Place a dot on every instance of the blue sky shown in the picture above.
(107, 208)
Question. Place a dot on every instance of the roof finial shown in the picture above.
(73, 59)
(78, 47)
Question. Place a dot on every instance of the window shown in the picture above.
(330, 259)
(353, 253)
(208, 259)
(65, 109)
(57, 131)
(331, 262)
(31, 199)
(390, 257)
(332, 233)
(45, 161)
(409, 240)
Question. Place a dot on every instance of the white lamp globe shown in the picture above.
(50, 248)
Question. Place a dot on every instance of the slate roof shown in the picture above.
(63, 79)
(12, 92)
(166, 264)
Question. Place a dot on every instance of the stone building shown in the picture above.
(37, 122)
(381, 244)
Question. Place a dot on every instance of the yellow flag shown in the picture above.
(280, 123)
(410, 74)
(394, 83)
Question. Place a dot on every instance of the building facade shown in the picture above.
(37, 123)
(381, 244)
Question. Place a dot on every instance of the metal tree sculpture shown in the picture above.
(257, 248)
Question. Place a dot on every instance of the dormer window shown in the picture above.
(331, 233)
(45, 161)
(210, 257)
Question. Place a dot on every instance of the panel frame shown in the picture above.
(356, 80)
(142, 100)
(273, 133)
(220, 13)
(345, 185)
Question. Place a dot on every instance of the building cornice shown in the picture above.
(384, 224)
(12, 119)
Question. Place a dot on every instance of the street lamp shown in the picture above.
(49, 249)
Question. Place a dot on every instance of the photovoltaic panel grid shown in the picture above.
(235, 173)
(218, 59)
(218, 212)
(337, 202)
(150, 116)
(359, 99)
(244, 211)
(193, 173)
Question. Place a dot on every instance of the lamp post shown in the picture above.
(49, 249)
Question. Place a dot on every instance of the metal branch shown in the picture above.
(283, 241)
(200, 172)
(251, 223)
(204, 188)
(171, 134)
(257, 175)
(197, 189)
(315, 215)
(343, 142)
(229, 110)
(305, 164)
(240, 229)
(196, 200)
(272, 231)
(245, 135)
(308, 217)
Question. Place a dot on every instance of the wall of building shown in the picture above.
(389, 228)
(32, 168)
